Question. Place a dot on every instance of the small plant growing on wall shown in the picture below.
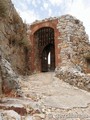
(3, 8)
(24, 42)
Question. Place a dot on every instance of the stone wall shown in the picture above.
(70, 38)
(74, 45)
(74, 41)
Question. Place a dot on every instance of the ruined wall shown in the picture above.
(74, 46)
(14, 45)
(74, 41)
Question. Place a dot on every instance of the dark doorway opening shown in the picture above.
(44, 40)
(88, 64)
(48, 58)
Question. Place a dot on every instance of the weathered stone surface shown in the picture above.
(44, 96)
(56, 94)
(74, 46)
(55, 100)
(0, 82)
(13, 39)
(13, 47)
(10, 115)
(9, 79)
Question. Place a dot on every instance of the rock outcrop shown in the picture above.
(13, 37)
(14, 47)
(8, 78)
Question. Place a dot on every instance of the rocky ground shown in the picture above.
(45, 97)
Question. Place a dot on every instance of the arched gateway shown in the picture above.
(44, 38)
(56, 42)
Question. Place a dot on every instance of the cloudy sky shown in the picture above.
(31, 10)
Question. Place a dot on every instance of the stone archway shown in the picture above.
(44, 41)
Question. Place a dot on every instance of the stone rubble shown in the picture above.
(53, 100)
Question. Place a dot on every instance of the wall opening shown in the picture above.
(49, 60)
(44, 40)
(88, 64)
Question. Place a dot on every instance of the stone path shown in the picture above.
(45, 97)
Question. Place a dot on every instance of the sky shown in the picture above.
(31, 10)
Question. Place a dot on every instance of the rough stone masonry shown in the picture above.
(72, 49)
(75, 52)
